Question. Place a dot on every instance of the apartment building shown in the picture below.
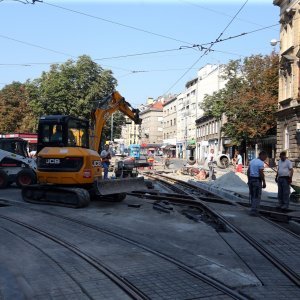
(208, 134)
(131, 133)
(186, 116)
(152, 125)
(170, 126)
(288, 115)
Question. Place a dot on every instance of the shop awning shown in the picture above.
(170, 147)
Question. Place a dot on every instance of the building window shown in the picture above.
(171, 122)
(174, 121)
(286, 138)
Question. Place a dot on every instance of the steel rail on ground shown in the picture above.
(186, 188)
(128, 288)
(205, 278)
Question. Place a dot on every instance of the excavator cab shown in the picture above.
(62, 131)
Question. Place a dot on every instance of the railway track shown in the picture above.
(129, 289)
(218, 289)
(266, 244)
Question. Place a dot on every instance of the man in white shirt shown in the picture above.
(284, 179)
(256, 181)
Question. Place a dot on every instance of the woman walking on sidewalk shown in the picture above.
(239, 162)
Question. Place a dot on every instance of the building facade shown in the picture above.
(170, 127)
(152, 125)
(208, 135)
(186, 116)
(288, 115)
(131, 133)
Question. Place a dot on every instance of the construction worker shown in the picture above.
(151, 161)
(105, 159)
(210, 163)
(256, 181)
(167, 162)
(57, 136)
(284, 179)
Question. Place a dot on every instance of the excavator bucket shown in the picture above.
(123, 185)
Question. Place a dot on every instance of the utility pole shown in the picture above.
(221, 119)
(112, 127)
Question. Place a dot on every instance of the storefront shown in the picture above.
(191, 150)
(179, 149)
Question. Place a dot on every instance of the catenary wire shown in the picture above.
(209, 48)
(141, 53)
(219, 12)
(34, 45)
(117, 23)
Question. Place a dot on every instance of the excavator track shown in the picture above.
(61, 196)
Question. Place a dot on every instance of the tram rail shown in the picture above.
(192, 196)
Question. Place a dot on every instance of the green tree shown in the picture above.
(119, 120)
(15, 111)
(249, 98)
(72, 88)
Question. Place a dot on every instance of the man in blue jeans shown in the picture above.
(256, 181)
(284, 179)
(105, 159)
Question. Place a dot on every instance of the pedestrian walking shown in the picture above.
(151, 161)
(105, 159)
(234, 159)
(256, 181)
(210, 163)
(167, 162)
(239, 162)
(284, 178)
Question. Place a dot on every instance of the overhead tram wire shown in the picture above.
(219, 12)
(36, 46)
(241, 34)
(23, 1)
(134, 54)
(117, 23)
(209, 48)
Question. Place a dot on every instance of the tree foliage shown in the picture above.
(15, 111)
(249, 98)
(71, 88)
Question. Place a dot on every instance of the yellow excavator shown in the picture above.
(68, 162)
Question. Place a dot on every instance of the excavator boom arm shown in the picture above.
(106, 107)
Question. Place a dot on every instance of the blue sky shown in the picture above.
(66, 34)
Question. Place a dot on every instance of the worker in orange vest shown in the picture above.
(151, 161)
